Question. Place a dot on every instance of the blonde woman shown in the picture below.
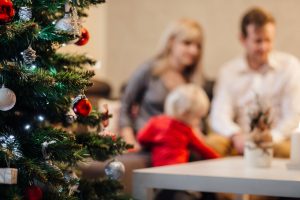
(177, 62)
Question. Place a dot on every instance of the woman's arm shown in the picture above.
(135, 88)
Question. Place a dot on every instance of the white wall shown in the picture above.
(127, 31)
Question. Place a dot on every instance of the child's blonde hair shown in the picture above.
(187, 99)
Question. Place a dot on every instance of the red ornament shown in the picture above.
(84, 38)
(82, 106)
(33, 193)
(6, 11)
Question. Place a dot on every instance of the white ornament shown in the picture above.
(114, 169)
(70, 22)
(7, 99)
(65, 24)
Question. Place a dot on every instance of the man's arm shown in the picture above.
(290, 105)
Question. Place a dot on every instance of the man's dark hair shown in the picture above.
(256, 16)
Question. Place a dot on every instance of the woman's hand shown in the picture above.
(127, 134)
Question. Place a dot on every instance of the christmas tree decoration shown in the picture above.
(71, 116)
(7, 99)
(70, 22)
(105, 116)
(33, 192)
(7, 11)
(44, 149)
(75, 20)
(25, 14)
(81, 106)
(65, 24)
(40, 118)
(84, 37)
(29, 55)
(8, 175)
(114, 169)
(10, 146)
(27, 127)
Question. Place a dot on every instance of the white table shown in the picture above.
(228, 175)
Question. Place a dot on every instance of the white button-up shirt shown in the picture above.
(239, 88)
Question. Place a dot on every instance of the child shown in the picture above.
(169, 136)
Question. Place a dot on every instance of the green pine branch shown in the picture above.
(102, 147)
(102, 190)
(67, 59)
(16, 37)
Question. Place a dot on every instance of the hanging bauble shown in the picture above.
(70, 22)
(29, 55)
(84, 38)
(25, 13)
(65, 24)
(44, 149)
(114, 169)
(71, 116)
(82, 106)
(7, 99)
(33, 193)
(6, 11)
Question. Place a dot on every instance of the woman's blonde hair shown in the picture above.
(183, 29)
(187, 99)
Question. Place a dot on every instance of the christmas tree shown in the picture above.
(41, 96)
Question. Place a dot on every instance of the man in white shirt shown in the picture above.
(261, 74)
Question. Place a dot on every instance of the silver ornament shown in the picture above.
(114, 169)
(29, 55)
(11, 147)
(71, 116)
(7, 99)
(70, 22)
(76, 22)
(65, 24)
(44, 149)
(25, 14)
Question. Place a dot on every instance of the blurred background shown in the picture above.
(125, 33)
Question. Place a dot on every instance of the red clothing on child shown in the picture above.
(169, 141)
